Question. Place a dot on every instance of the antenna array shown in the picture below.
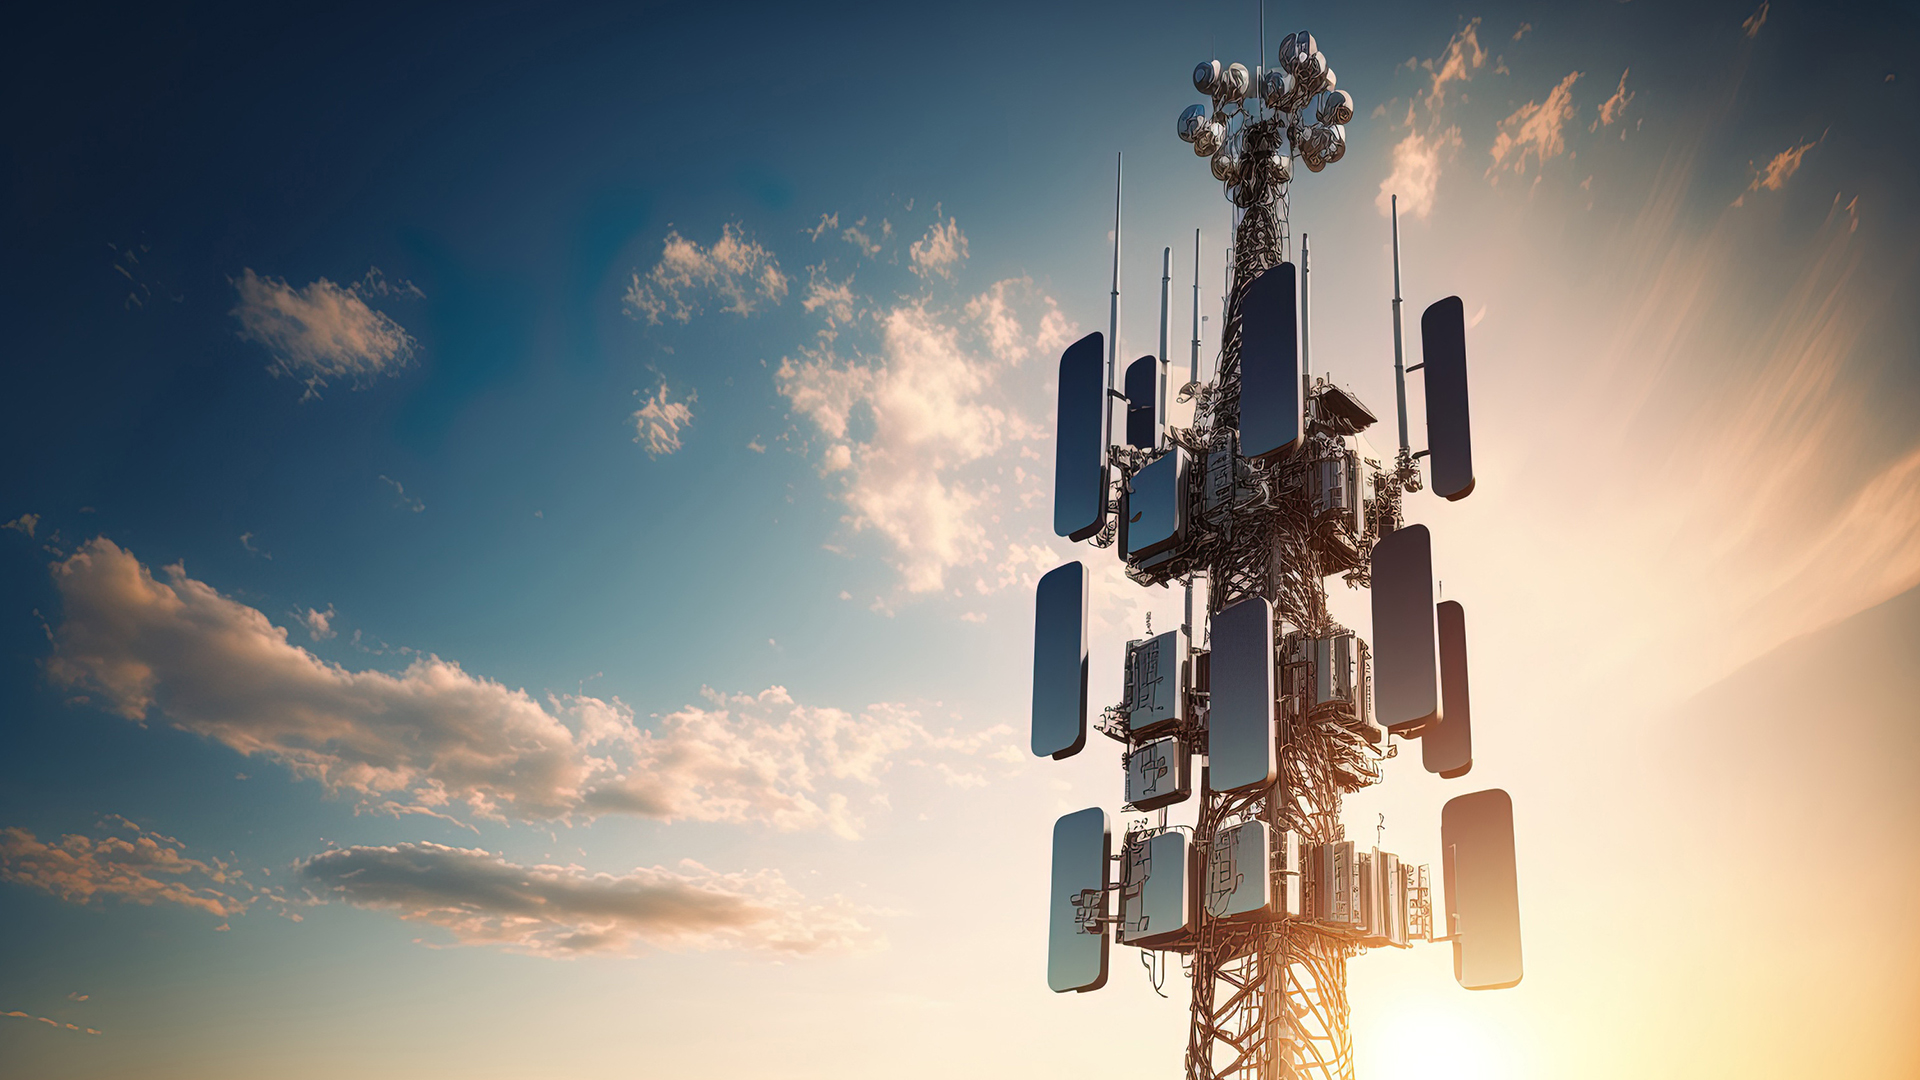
(1269, 491)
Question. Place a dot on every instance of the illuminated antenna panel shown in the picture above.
(1406, 684)
(1372, 921)
(1240, 871)
(1060, 662)
(1483, 889)
(1270, 364)
(1159, 774)
(1142, 387)
(1155, 508)
(1443, 351)
(1078, 908)
(1336, 885)
(1080, 441)
(1447, 747)
(1240, 725)
(1154, 897)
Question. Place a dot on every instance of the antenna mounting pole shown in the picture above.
(1306, 319)
(1166, 315)
(1399, 350)
(1113, 309)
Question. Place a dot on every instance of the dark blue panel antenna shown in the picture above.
(1080, 446)
(1142, 387)
(1060, 662)
(1406, 683)
(1447, 747)
(1270, 363)
(1443, 352)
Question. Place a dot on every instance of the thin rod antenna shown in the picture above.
(1260, 69)
(1166, 316)
(1193, 372)
(1113, 309)
(1399, 350)
(1306, 324)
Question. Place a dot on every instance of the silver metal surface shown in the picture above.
(1406, 683)
(1447, 747)
(1157, 889)
(1060, 662)
(1270, 364)
(1483, 890)
(1157, 677)
(1078, 902)
(1156, 506)
(1159, 774)
(1080, 442)
(1240, 872)
(1443, 349)
(1240, 721)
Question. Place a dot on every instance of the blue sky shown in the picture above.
(464, 444)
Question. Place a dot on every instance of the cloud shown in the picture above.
(482, 899)
(1416, 169)
(25, 523)
(1415, 175)
(319, 623)
(1457, 63)
(1522, 32)
(50, 1022)
(401, 498)
(147, 869)
(941, 251)
(434, 739)
(913, 429)
(762, 758)
(1536, 128)
(218, 668)
(1778, 171)
(322, 332)
(1614, 107)
(658, 421)
(246, 541)
(1756, 20)
(736, 270)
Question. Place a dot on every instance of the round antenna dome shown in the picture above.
(1336, 107)
(1190, 123)
(1225, 167)
(1206, 78)
(1235, 82)
(1208, 139)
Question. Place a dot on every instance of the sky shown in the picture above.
(521, 522)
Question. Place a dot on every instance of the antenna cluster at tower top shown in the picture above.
(1295, 111)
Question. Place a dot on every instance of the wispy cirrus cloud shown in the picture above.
(941, 251)
(736, 272)
(128, 864)
(435, 739)
(49, 1021)
(1776, 172)
(1416, 158)
(1615, 107)
(658, 421)
(1536, 129)
(322, 332)
(482, 899)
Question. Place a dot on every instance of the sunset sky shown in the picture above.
(521, 524)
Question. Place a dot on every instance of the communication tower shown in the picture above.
(1272, 489)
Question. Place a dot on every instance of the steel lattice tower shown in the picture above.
(1268, 492)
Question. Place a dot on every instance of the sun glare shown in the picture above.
(1433, 1045)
